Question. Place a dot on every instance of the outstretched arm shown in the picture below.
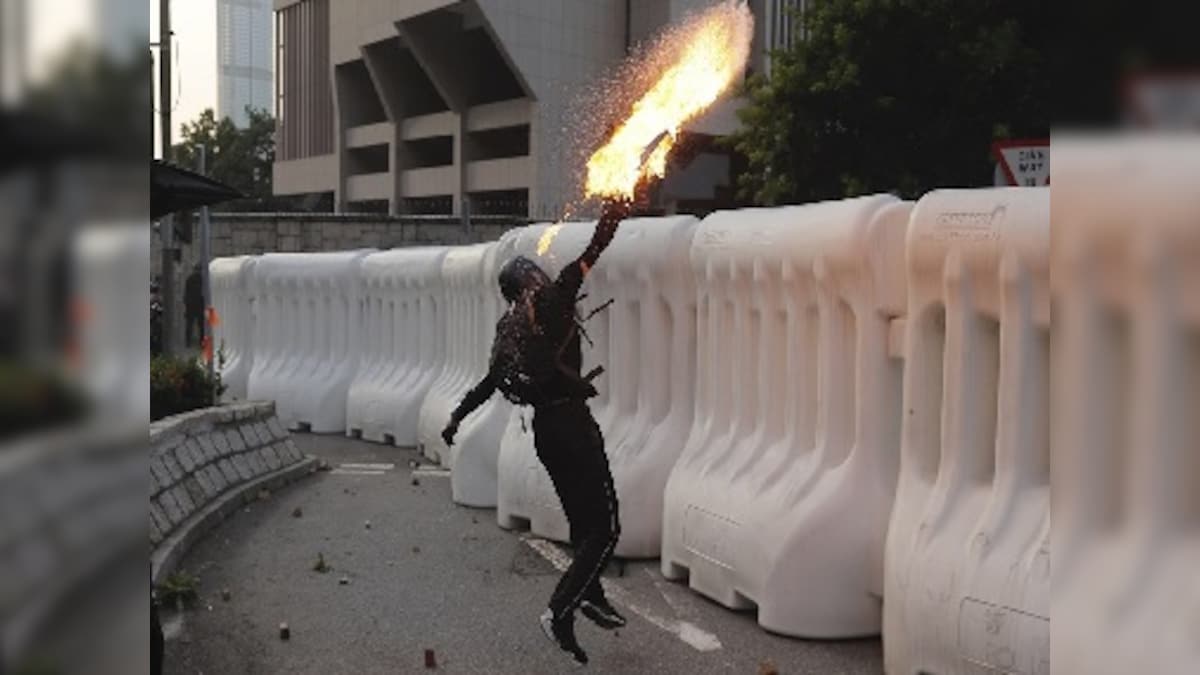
(474, 398)
(571, 277)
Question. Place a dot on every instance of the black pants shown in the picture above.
(570, 446)
(195, 327)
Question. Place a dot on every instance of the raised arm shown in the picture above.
(479, 394)
(571, 277)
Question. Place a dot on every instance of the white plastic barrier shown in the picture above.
(1126, 454)
(781, 497)
(109, 298)
(474, 459)
(967, 570)
(307, 329)
(524, 491)
(402, 342)
(645, 341)
(462, 292)
(233, 335)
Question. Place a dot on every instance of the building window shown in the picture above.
(498, 143)
(438, 205)
(500, 202)
(378, 206)
(367, 159)
(428, 152)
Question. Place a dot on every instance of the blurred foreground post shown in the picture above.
(206, 332)
(166, 225)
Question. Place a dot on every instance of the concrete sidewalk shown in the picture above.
(428, 575)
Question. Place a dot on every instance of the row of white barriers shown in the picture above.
(472, 309)
(645, 341)
(402, 343)
(837, 413)
(1125, 464)
(307, 332)
(108, 332)
(788, 472)
(233, 333)
(968, 554)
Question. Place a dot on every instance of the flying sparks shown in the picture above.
(547, 238)
(712, 49)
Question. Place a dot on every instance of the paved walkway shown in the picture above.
(428, 575)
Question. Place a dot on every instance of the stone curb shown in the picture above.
(198, 421)
(167, 555)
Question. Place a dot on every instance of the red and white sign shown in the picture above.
(1025, 162)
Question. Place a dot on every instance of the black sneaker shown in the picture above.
(562, 633)
(602, 614)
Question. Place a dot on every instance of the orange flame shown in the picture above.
(712, 49)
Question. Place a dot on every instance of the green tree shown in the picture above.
(240, 158)
(894, 95)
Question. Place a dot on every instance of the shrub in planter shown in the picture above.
(34, 399)
(180, 384)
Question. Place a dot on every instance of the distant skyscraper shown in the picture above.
(243, 57)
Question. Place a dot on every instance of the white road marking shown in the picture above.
(692, 635)
(667, 596)
(356, 472)
(374, 467)
(432, 473)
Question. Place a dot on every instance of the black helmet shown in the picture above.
(518, 274)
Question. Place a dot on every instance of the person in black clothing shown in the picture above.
(536, 360)
(193, 305)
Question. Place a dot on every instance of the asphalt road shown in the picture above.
(429, 575)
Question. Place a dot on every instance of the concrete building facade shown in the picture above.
(462, 106)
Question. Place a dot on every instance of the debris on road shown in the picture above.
(367, 524)
(285, 633)
(296, 512)
(767, 668)
(416, 481)
(323, 465)
(344, 581)
(264, 494)
(416, 549)
(321, 566)
(430, 660)
(225, 594)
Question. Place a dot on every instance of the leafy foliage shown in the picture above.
(180, 384)
(179, 588)
(33, 399)
(240, 158)
(894, 95)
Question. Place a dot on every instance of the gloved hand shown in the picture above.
(449, 432)
(616, 208)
